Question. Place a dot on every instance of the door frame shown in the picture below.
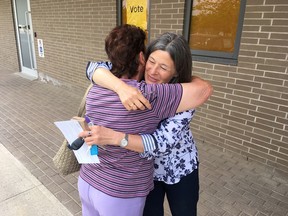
(28, 71)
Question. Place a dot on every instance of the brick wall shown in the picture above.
(8, 50)
(73, 32)
(166, 16)
(248, 111)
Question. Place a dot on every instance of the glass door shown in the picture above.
(25, 37)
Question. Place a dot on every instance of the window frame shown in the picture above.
(119, 12)
(214, 56)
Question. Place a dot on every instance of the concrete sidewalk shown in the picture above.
(229, 185)
(21, 193)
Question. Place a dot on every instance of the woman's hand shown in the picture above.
(100, 135)
(132, 98)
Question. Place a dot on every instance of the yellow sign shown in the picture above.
(136, 13)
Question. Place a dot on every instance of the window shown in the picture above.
(213, 29)
(135, 12)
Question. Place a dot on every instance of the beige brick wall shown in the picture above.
(166, 16)
(248, 111)
(73, 32)
(8, 48)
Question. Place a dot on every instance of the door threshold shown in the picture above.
(26, 76)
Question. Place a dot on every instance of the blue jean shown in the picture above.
(182, 197)
(96, 203)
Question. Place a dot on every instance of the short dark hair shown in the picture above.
(123, 45)
(179, 51)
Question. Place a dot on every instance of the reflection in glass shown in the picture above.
(214, 25)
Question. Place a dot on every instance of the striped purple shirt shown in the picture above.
(123, 173)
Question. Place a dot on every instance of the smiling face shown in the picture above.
(160, 68)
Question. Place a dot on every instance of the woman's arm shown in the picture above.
(194, 94)
(167, 136)
(131, 98)
(103, 136)
(92, 66)
(172, 133)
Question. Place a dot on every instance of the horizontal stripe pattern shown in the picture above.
(123, 173)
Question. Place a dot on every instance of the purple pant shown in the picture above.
(96, 203)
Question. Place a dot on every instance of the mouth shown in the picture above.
(151, 79)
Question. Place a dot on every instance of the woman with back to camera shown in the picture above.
(172, 145)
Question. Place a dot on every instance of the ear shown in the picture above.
(142, 58)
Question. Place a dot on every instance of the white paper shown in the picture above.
(70, 129)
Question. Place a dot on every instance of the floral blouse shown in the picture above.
(175, 153)
(172, 145)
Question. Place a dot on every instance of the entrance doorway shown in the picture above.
(24, 30)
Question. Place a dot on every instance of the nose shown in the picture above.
(154, 69)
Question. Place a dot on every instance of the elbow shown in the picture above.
(207, 92)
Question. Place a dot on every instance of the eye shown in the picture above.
(164, 68)
(151, 61)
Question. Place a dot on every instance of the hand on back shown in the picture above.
(132, 98)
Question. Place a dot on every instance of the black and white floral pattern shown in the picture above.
(176, 154)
